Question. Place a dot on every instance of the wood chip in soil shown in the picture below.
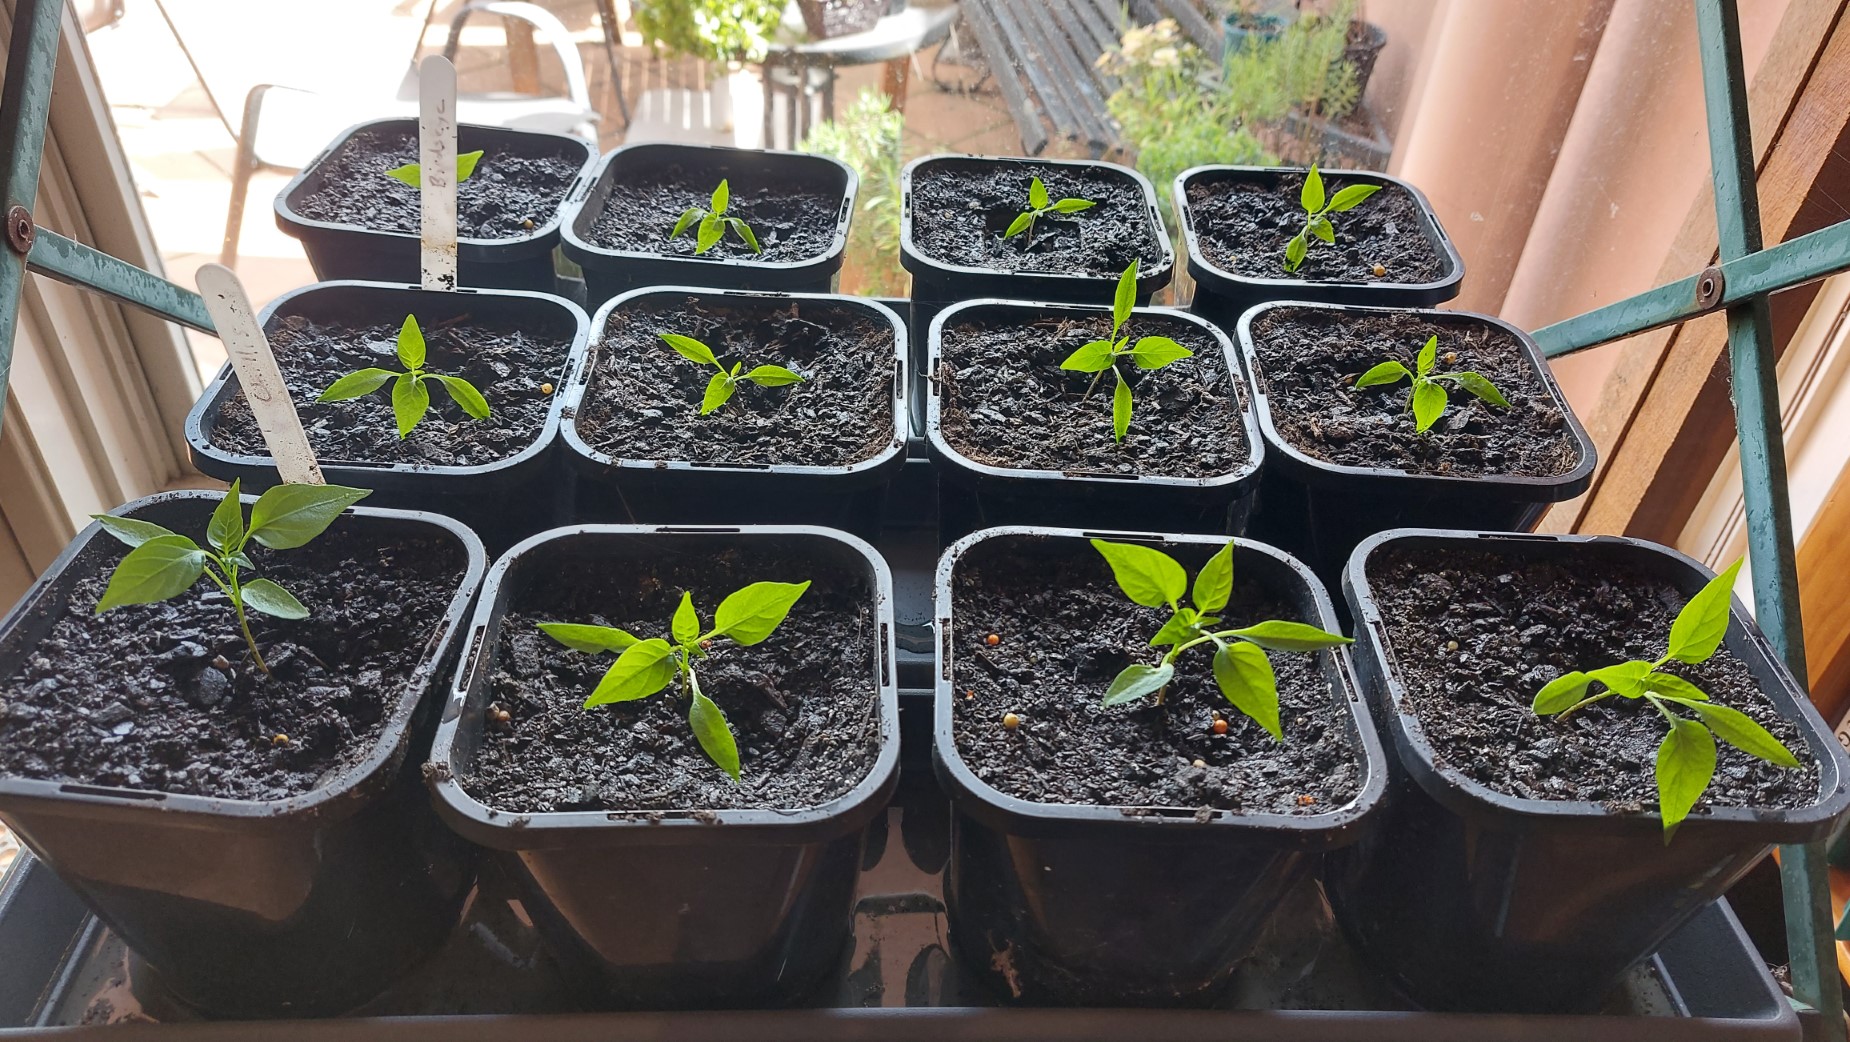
(131, 698)
(1519, 624)
(802, 703)
(961, 208)
(1242, 225)
(1310, 358)
(1065, 631)
(794, 218)
(644, 398)
(1007, 403)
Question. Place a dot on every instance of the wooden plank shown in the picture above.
(1008, 82)
(1824, 560)
(1073, 72)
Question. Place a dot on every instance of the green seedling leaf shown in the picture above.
(1428, 405)
(1124, 299)
(714, 734)
(408, 174)
(1136, 681)
(1179, 628)
(356, 385)
(712, 226)
(592, 639)
(128, 530)
(1685, 763)
(1626, 678)
(1561, 693)
(1120, 408)
(1702, 625)
(1279, 635)
(1021, 223)
(410, 344)
(1673, 686)
(686, 220)
(463, 393)
(1480, 385)
(1311, 195)
(722, 197)
(1429, 355)
(226, 529)
(410, 400)
(1094, 357)
(1037, 194)
(644, 668)
(772, 376)
(1073, 205)
(288, 516)
(1214, 583)
(465, 165)
(689, 348)
(686, 629)
(1154, 352)
(1322, 229)
(719, 391)
(1744, 733)
(750, 615)
(1147, 575)
(744, 231)
(1351, 197)
(159, 568)
(1295, 251)
(1383, 374)
(1245, 677)
(271, 599)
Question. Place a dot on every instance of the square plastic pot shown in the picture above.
(978, 495)
(937, 284)
(341, 251)
(610, 272)
(654, 491)
(1221, 295)
(669, 909)
(1100, 906)
(296, 907)
(1319, 511)
(503, 501)
(1470, 899)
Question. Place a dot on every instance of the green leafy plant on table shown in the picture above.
(1241, 669)
(1039, 206)
(646, 666)
(723, 383)
(163, 564)
(410, 389)
(710, 224)
(412, 173)
(1686, 756)
(1430, 398)
(1150, 352)
(866, 136)
(712, 30)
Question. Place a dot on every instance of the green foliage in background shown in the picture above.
(866, 136)
(716, 30)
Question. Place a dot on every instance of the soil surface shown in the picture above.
(802, 703)
(644, 398)
(1066, 630)
(961, 208)
(515, 189)
(794, 218)
(1242, 227)
(135, 697)
(1310, 358)
(509, 359)
(1007, 403)
(1519, 624)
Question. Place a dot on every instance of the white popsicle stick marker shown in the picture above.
(258, 375)
(437, 171)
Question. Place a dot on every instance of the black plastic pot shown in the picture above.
(989, 495)
(1365, 44)
(655, 491)
(1095, 905)
(826, 19)
(1319, 511)
(1221, 295)
(663, 909)
(303, 906)
(352, 251)
(1473, 900)
(610, 272)
(503, 501)
(937, 284)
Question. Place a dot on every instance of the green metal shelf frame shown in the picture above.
(1739, 284)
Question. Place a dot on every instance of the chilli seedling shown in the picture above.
(723, 383)
(1317, 211)
(1241, 669)
(412, 174)
(1039, 206)
(1430, 398)
(1686, 756)
(164, 564)
(644, 667)
(714, 222)
(410, 390)
(1150, 352)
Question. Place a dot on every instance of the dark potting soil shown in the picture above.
(960, 210)
(802, 703)
(133, 698)
(508, 359)
(1066, 630)
(1520, 623)
(1310, 358)
(644, 398)
(1242, 227)
(516, 187)
(794, 219)
(1007, 403)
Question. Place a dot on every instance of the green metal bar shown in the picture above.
(68, 260)
(1811, 950)
(25, 101)
(1808, 258)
